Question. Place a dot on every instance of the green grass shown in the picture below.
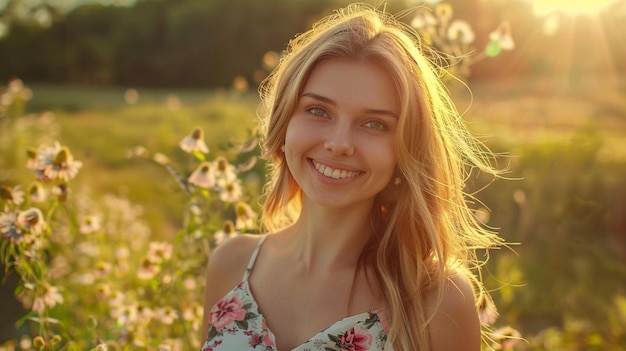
(101, 128)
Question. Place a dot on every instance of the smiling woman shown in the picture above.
(571, 7)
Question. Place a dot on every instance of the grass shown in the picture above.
(101, 129)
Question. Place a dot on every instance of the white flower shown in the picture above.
(194, 142)
(461, 31)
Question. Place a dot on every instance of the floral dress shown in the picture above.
(236, 324)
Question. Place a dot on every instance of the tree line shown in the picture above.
(207, 43)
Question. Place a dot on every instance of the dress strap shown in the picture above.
(253, 257)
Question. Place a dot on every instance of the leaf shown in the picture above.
(242, 324)
(493, 48)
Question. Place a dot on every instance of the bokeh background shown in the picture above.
(116, 75)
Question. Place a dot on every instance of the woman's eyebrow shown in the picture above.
(372, 111)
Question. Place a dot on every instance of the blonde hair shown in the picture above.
(409, 254)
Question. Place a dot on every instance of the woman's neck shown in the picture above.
(326, 239)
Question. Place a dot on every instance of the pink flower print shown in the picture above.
(256, 340)
(356, 339)
(267, 339)
(226, 311)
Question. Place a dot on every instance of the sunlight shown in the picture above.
(571, 7)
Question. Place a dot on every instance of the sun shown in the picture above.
(571, 7)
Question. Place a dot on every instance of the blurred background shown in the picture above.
(118, 75)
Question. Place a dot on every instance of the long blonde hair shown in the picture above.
(425, 231)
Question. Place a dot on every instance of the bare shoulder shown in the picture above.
(455, 324)
(225, 270)
(228, 261)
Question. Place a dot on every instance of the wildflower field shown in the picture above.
(112, 199)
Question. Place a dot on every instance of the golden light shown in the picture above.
(571, 7)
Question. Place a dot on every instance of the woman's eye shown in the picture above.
(375, 124)
(317, 111)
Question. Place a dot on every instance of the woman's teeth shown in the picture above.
(334, 173)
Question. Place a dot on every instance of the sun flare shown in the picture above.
(571, 7)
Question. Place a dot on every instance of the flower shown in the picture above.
(50, 298)
(102, 269)
(159, 251)
(89, 224)
(36, 193)
(9, 228)
(230, 189)
(148, 269)
(356, 339)
(228, 231)
(167, 315)
(487, 311)
(203, 176)
(32, 220)
(61, 191)
(461, 31)
(502, 37)
(56, 162)
(223, 169)
(14, 195)
(444, 11)
(226, 311)
(245, 216)
(423, 19)
(194, 142)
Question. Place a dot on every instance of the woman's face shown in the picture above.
(339, 144)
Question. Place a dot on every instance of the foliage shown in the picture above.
(75, 255)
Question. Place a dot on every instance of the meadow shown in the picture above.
(560, 284)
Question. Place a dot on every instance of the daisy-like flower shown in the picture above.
(125, 316)
(61, 191)
(32, 220)
(245, 216)
(230, 189)
(223, 169)
(9, 228)
(194, 142)
(228, 231)
(423, 19)
(502, 38)
(167, 315)
(444, 12)
(461, 31)
(103, 291)
(36, 193)
(61, 166)
(203, 176)
(89, 224)
(144, 313)
(159, 251)
(13, 195)
(487, 311)
(148, 269)
(102, 269)
(50, 298)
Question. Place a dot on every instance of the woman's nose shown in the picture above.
(340, 140)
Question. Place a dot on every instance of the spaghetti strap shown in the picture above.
(253, 257)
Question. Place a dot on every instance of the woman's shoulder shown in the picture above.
(454, 320)
(234, 253)
(228, 262)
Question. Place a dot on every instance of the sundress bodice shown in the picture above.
(237, 324)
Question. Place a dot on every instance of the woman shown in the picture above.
(371, 240)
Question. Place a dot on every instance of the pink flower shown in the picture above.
(226, 311)
(267, 338)
(356, 339)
